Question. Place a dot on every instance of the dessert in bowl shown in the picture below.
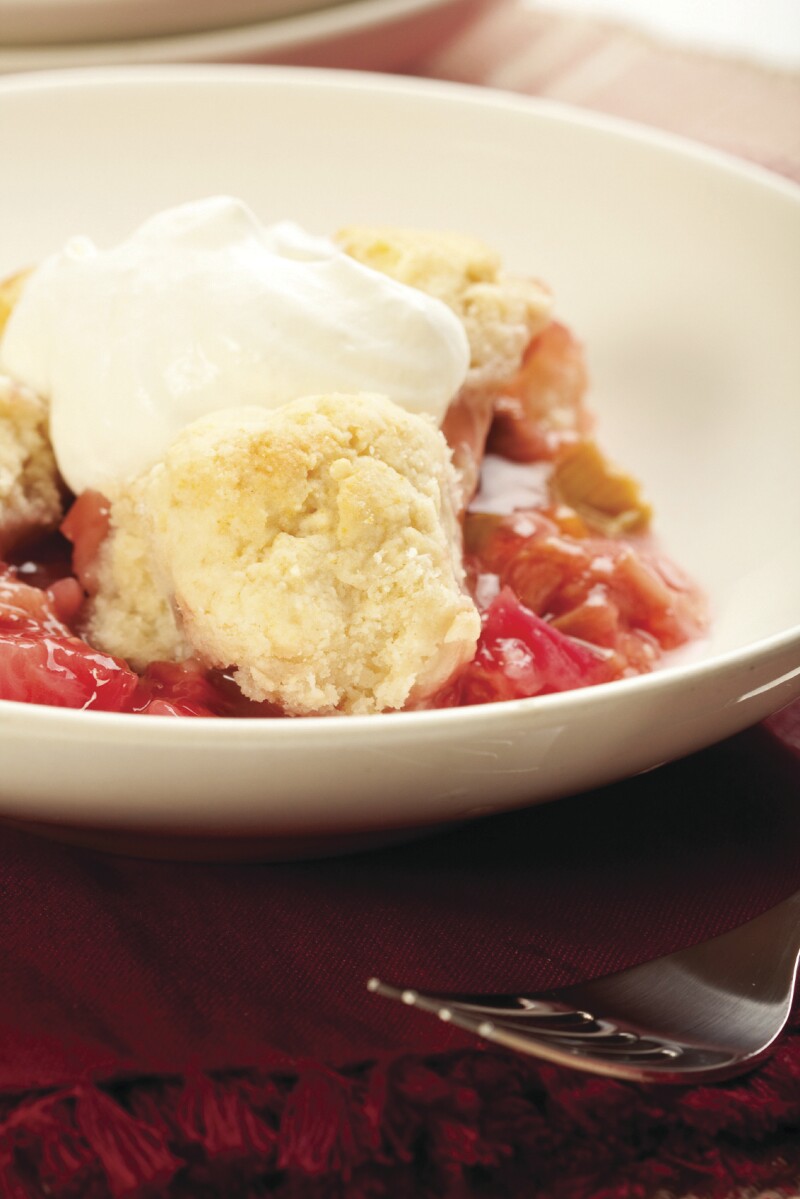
(271, 453)
(295, 555)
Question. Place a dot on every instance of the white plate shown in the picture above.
(680, 270)
(48, 22)
(380, 35)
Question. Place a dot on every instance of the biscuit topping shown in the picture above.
(314, 550)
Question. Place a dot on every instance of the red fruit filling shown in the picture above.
(520, 655)
(622, 599)
(541, 410)
(86, 526)
(43, 662)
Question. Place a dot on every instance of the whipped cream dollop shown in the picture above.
(204, 308)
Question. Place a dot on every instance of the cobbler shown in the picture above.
(249, 472)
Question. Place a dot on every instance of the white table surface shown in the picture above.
(766, 31)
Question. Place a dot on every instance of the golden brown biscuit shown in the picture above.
(500, 312)
(10, 291)
(314, 549)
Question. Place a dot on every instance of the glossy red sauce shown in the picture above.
(44, 661)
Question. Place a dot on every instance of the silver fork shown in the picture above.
(702, 1014)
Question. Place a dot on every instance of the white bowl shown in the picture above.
(677, 266)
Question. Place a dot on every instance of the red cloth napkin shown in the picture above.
(198, 1030)
(195, 1031)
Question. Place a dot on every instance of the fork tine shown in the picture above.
(607, 1050)
(454, 1013)
(711, 1011)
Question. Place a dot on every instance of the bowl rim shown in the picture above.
(348, 80)
(667, 677)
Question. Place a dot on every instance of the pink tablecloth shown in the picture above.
(742, 107)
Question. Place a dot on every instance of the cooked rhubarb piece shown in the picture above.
(43, 662)
(605, 592)
(608, 499)
(541, 409)
(520, 655)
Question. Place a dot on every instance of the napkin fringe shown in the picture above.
(453, 1126)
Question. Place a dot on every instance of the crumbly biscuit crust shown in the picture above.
(314, 549)
(130, 614)
(30, 488)
(500, 312)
